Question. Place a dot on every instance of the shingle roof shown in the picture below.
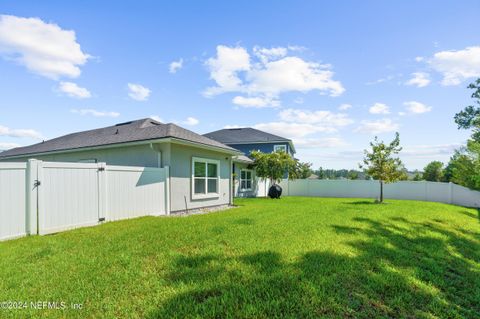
(139, 130)
(244, 135)
(242, 158)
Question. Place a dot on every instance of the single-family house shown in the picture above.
(247, 140)
(200, 168)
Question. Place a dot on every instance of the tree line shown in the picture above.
(381, 161)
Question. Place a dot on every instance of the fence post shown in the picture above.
(450, 192)
(31, 197)
(167, 190)
(102, 192)
(39, 205)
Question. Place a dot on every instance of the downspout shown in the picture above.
(159, 155)
(168, 179)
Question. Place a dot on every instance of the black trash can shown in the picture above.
(275, 191)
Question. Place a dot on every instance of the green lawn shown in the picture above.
(295, 257)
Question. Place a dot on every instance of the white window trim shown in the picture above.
(281, 146)
(251, 180)
(88, 160)
(206, 195)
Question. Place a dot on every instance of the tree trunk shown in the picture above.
(381, 191)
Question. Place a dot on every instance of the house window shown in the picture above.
(205, 178)
(277, 148)
(245, 180)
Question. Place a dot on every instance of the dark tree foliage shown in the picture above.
(433, 172)
(464, 165)
(469, 118)
(339, 174)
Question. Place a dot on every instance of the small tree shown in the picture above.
(302, 170)
(274, 166)
(417, 176)
(380, 164)
(352, 175)
(433, 172)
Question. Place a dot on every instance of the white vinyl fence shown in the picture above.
(13, 190)
(424, 191)
(47, 197)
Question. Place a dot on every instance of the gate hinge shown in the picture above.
(36, 183)
(101, 169)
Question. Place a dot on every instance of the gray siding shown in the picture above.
(180, 162)
(138, 155)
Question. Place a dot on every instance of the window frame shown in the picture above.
(282, 146)
(206, 161)
(246, 179)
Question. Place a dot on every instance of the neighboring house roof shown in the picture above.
(133, 131)
(242, 159)
(312, 176)
(246, 135)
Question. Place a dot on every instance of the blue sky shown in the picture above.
(329, 76)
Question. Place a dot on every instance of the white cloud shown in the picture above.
(43, 48)
(419, 79)
(322, 142)
(224, 69)
(381, 80)
(6, 146)
(376, 127)
(457, 66)
(297, 123)
(292, 74)
(266, 55)
(379, 108)
(419, 58)
(256, 102)
(157, 118)
(191, 121)
(5, 131)
(268, 73)
(138, 92)
(95, 113)
(175, 66)
(417, 107)
(429, 151)
(325, 118)
(344, 107)
(73, 90)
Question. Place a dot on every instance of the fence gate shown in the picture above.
(68, 195)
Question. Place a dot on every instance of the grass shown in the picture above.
(295, 258)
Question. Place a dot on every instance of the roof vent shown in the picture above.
(125, 123)
(234, 129)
